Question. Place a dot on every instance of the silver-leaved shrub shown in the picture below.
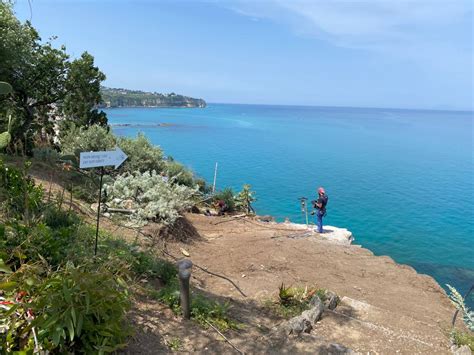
(151, 196)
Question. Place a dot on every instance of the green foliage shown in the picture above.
(55, 297)
(6, 137)
(82, 139)
(65, 241)
(83, 92)
(204, 188)
(203, 309)
(132, 98)
(152, 196)
(5, 88)
(142, 155)
(459, 303)
(46, 154)
(179, 173)
(226, 195)
(463, 338)
(56, 218)
(175, 344)
(292, 301)
(46, 83)
(18, 194)
(76, 308)
(141, 263)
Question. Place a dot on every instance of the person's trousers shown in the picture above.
(319, 218)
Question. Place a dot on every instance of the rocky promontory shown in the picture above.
(117, 97)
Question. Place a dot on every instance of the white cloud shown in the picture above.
(368, 23)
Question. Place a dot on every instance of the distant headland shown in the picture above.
(117, 97)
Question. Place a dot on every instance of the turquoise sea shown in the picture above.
(400, 180)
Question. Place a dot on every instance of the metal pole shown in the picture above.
(306, 212)
(184, 275)
(98, 210)
(304, 209)
(215, 176)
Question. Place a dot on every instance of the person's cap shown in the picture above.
(321, 190)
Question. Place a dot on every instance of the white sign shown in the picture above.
(96, 159)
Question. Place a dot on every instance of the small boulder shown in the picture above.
(266, 218)
(128, 204)
(313, 315)
(297, 325)
(462, 350)
(331, 300)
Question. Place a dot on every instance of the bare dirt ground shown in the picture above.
(386, 307)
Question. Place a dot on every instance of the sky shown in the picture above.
(361, 53)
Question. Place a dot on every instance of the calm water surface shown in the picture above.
(400, 180)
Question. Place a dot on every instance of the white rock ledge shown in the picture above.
(330, 233)
(338, 235)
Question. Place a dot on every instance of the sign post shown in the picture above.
(100, 159)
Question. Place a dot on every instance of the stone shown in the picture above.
(462, 350)
(335, 348)
(313, 315)
(297, 325)
(266, 218)
(331, 300)
(316, 302)
(128, 204)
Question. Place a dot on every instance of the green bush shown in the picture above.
(142, 155)
(47, 154)
(180, 174)
(24, 243)
(81, 139)
(56, 218)
(19, 197)
(463, 338)
(294, 300)
(226, 195)
(73, 309)
(141, 263)
(203, 310)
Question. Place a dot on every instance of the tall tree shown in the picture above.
(83, 92)
(46, 84)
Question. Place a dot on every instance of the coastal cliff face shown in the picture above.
(112, 97)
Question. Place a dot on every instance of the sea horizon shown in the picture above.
(342, 107)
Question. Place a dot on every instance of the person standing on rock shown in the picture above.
(320, 205)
